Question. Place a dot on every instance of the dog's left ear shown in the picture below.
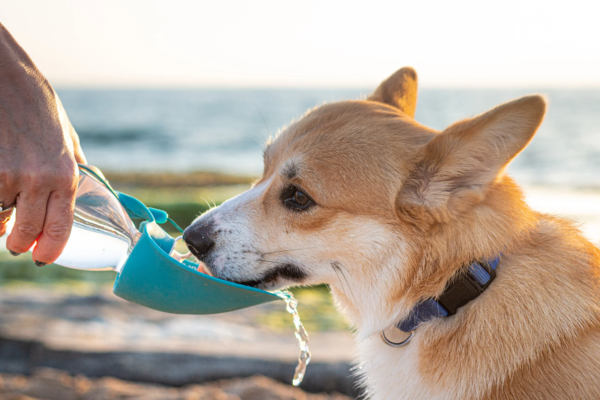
(458, 165)
(399, 90)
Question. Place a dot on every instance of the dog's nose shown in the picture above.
(199, 239)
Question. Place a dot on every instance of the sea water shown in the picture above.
(225, 129)
(301, 335)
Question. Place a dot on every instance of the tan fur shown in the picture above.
(399, 90)
(400, 210)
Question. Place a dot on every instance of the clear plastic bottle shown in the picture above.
(103, 234)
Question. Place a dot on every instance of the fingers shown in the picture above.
(44, 212)
(57, 227)
(46, 218)
(31, 212)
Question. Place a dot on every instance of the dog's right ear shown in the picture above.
(399, 90)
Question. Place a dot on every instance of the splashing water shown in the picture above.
(301, 335)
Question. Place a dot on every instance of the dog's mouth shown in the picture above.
(269, 279)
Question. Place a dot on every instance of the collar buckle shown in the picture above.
(467, 286)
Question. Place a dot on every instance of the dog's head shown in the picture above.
(356, 192)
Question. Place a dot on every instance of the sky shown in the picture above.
(177, 43)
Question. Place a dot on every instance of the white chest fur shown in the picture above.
(392, 373)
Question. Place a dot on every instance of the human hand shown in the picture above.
(39, 152)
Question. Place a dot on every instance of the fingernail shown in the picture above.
(40, 264)
(14, 253)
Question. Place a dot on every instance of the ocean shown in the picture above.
(224, 130)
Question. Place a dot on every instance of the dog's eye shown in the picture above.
(296, 199)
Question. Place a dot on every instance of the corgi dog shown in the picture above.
(456, 287)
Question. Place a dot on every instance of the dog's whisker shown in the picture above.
(257, 250)
(284, 251)
(207, 203)
(343, 266)
(268, 261)
(264, 120)
(259, 146)
(336, 266)
(339, 279)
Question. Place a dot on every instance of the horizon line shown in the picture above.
(594, 86)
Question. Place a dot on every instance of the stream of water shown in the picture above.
(301, 335)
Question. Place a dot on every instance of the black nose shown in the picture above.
(199, 239)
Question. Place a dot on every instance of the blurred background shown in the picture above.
(174, 100)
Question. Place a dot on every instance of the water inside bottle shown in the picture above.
(301, 335)
(103, 235)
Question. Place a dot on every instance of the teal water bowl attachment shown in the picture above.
(152, 278)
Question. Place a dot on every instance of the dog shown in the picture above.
(408, 216)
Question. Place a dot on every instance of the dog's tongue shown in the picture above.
(202, 269)
(180, 257)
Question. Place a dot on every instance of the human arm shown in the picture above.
(39, 152)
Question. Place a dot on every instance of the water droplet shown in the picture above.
(301, 335)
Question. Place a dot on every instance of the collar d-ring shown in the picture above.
(394, 344)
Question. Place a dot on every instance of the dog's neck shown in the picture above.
(366, 305)
(412, 271)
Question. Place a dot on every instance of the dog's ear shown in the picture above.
(458, 164)
(399, 90)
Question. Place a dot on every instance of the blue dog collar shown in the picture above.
(458, 292)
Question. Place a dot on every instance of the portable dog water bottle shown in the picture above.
(104, 237)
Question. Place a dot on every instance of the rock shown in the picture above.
(263, 388)
(49, 384)
(170, 369)
(54, 385)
